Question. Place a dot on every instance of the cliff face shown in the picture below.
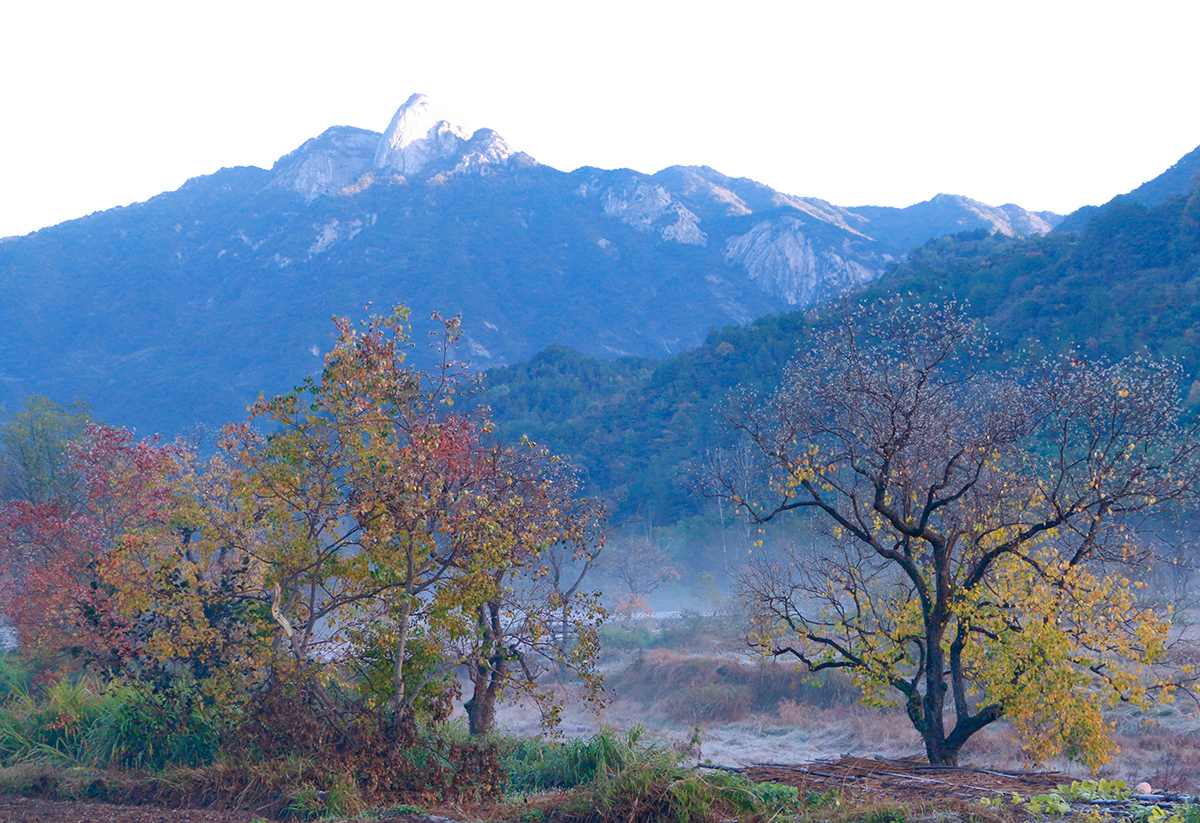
(785, 260)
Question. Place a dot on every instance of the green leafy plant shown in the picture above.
(533, 763)
(1050, 803)
(1095, 790)
(1156, 814)
(342, 799)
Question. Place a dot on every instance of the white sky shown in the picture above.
(1051, 105)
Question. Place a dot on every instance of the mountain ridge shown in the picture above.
(1176, 181)
(226, 285)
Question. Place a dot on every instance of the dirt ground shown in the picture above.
(17, 809)
(866, 780)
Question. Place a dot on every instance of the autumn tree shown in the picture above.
(54, 549)
(38, 502)
(982, 526)
(566, 564)
(385, 521)
(348, 549)
(641, 568)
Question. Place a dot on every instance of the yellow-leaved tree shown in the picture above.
(388, 527)
(982, 540)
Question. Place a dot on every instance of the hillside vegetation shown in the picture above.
(1128, 283)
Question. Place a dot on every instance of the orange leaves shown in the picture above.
(356, 524)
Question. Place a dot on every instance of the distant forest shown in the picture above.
(1128, 283)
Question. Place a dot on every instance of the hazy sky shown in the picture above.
(1048, 105)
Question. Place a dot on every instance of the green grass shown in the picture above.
(659, 791)
(535, 764)
(80, 722)
(619, 776)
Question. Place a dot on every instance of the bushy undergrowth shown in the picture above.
(78, 738)
(659, 790)
(79, 722)
(535, 763)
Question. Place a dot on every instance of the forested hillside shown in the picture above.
(632, 424)
(1129, 283)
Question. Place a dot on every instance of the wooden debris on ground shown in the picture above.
(907, 779)
(914, 780)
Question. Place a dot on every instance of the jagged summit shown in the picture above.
(420, 134)
(421, 141)
(423, 137)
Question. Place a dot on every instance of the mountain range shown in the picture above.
(181, 309)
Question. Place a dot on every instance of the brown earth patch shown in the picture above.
(18, 809)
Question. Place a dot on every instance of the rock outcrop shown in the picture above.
(422, 138)
(782, 259)
(327, 164)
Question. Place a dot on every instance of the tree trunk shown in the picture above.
(481, 711)
(488, 673)
(398, 696)
(933, 730)
(940, 752)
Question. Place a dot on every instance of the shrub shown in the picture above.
(52, 727)
(343, 798)
(620, 778)
(152, 730)
(77, 722)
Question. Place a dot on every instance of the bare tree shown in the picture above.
(978, 523)
(641, 568)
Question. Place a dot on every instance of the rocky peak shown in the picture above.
(485, 150)
(422, 142)
(419, 135)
